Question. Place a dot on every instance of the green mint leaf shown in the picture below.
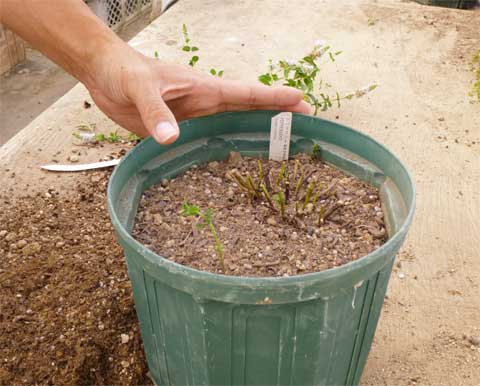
(193, 60)
(185, 34)
(100, 137)
(213, 72)
(186, 48)
(265, 79)
(310, 61)
(190, 210)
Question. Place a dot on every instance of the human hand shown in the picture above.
(148, 96)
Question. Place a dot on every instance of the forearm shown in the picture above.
(66, 31)
(142, 94)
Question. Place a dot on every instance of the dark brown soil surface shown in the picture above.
(66, 309)
(257, 240)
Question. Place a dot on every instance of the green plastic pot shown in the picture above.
(201, 328)
(462, 4)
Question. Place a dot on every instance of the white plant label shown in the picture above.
(280, 133)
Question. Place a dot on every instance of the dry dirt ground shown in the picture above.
(419, 57)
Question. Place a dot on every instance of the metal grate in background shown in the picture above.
(118, 13)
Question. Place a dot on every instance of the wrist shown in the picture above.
(103, 51)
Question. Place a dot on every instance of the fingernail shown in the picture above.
(165, 132)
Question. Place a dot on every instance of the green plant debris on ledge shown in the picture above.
(86, 134)
(475, 93)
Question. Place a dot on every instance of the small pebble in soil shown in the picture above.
(401, 275)
(21, 243)
(73, 158)
(124, 338)
(10, 236)
(31, 249)
(157, 219)
(474, 340)
(271, 221)
(3, 233)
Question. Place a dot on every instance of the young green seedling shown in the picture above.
(132, 137)
(316, 152)
(281, 174)
(279, 197)
(206, 216)
(308, 194)
(299, 183)
(113, 137)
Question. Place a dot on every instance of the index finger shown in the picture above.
(251, 94)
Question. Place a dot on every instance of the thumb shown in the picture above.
(157, 118)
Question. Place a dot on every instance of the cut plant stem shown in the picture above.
(299, 184)
(281, 174)
(308, 194)
(218, 245)
(282, 204)
(295, 169)
(267, 196)
(325, 213)
(287, 191)
(241, 181)
(281, 201)
(251, 184)
(321, 216)
(266, 180)
(260, 173)
(287, 186)
(328, 189)
(317, 194)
